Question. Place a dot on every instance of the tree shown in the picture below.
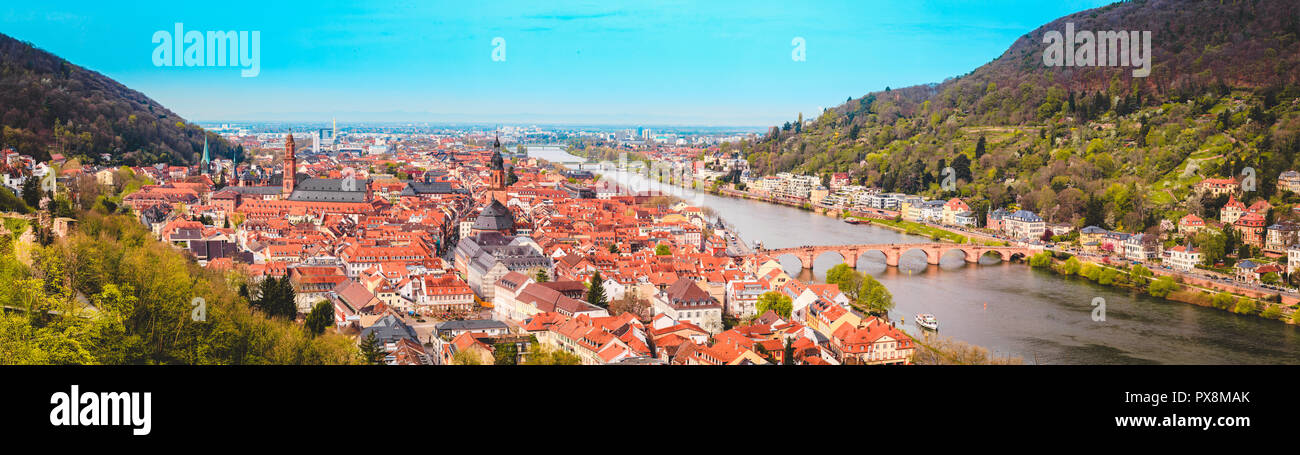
(777, 302)
(1223, 301)
(874, 297)
(631, 303)
(663, 250)
(541, 276)
(505, 353)
(31, 192)
(1140, 274)
(596, 291)
(1273, 311)
(464, 358)
(1163, 286)
(277, 298)
(321, 316)
(1270, 278)
(546, 355)
(1042, 259)
(371, 351)
(1245, 306)
(839, 274)
(979, 148)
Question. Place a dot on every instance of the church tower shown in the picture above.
(290, 166)
(497, 182)
(498, 166)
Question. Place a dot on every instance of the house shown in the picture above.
(950, 210)
(1249, 271)
(599, 340)
(872, 342)
(452, 329)
(1024, 224)
(1091, 234)
(1289, 181)
(1292, 259)
(1183, 258)
(1281, 236)
(1217, 187)
(442, 294)
(1190, 224)
(1141, 247)
(517, 298)
(1251, 227)
(995, 220)
(742, 297)
(388, 330)
(1232, 210)
(469, 345)
(685, 301)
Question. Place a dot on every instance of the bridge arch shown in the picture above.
(844, 257)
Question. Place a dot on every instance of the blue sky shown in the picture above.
(607, 62)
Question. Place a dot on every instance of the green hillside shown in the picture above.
(48, 105)
(1222, 95)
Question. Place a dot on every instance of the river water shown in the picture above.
(1010, 308)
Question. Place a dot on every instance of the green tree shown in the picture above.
(372, 351)
(31, 192)
(1223, 301)
(1245, 306)
(546, 355)
(1273, 311)
(874, 297)
(1140, 274)
(777, 302)
(1163, 286)
(321, 316)
(505, 353)
(1042, 259)
(596, 291)
(663, 250)
(541, 276)
(1270, 278)
(277, 299)
(464, 358)
(1072, 266)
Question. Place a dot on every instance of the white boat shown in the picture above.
(927, 321)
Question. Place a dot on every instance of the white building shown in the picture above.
(1184, 258)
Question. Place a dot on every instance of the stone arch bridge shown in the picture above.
(893, 251)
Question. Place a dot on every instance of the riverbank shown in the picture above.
(1168, 286)
(1282, 310)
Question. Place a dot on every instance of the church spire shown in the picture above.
(206, 165)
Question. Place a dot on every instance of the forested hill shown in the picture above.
(49, 105)
(1221, 95)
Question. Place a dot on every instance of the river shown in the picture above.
(1011, 308)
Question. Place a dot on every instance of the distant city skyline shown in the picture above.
(607, 63)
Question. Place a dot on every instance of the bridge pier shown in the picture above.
(891, 258)
(932, 257)
(850, 258)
